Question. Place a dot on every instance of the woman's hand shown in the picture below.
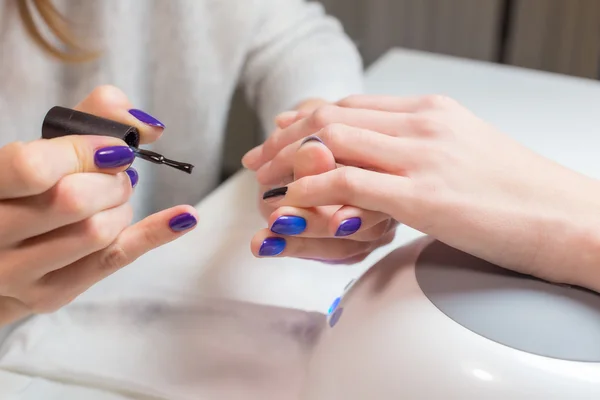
(431, 164)
(314, 233)
(64, 214)
(332, 234)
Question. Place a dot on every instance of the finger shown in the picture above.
(388, 194)
(349, 146)
(383, 241)
(323, 222)
(74, 198)
(312, 158)
(393, 124)
(267, 244)
(33, 168)
(150, 233)
(396, 104)
(358, 224)
(40, 255)
(287, 118)
(111, 103)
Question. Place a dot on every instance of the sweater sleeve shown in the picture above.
(298, 52)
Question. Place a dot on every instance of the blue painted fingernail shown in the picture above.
(133, 176)
(349, 227)
(311, 139)
(113, 157)
(182, 222)
(335, 317)
(289, 225)
(334, 305)
(146, 118)
(272, 246)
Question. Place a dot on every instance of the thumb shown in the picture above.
(111, 103)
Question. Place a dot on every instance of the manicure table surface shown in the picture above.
(555, 115)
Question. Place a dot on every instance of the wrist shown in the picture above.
(577, 246)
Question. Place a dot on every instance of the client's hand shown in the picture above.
(310, 233)
(64, 212)
(431, 164)
(334, 234)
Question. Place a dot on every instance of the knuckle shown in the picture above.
(425, 126)
(106, 94)
(331, 132)
(273, 144)
(347, 183)
(151, 238)
(323, 116)
(29, 167)
(437, 101)
(98, 231)
(350, 101)
(124, 190)
(69, 199)
(113, 258)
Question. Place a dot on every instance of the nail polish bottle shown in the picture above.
(61, 121)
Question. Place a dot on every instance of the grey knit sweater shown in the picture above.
(180, 60)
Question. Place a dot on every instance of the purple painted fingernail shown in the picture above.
(272, 246)
(182, 222)
(133, 176)
(113, 157)
(311, 139)
(335, 317)
(146, 118)
(349, 227)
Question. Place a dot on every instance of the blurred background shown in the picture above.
(559, 36)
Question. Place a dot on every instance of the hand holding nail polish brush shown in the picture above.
(61, 121)
(66, 210)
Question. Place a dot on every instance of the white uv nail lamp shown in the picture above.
(430, 322)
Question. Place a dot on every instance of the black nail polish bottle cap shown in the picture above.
(61, 121)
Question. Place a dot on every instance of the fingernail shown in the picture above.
(113, 157)
(334, 305)
(182, 222)
(277, 192)
(349, 227)
(133, 176)
(272, 246)
(146, 118)
(311, 139)
(335, 317)
(289, 225)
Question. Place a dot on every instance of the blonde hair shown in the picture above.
(68, 48)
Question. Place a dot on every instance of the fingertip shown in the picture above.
(251, 159)
(286, 118)
(183, 219)
(266, 244)
(102, 98)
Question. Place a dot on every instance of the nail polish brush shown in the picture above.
(61, 121)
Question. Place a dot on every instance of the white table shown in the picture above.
(556, 115)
